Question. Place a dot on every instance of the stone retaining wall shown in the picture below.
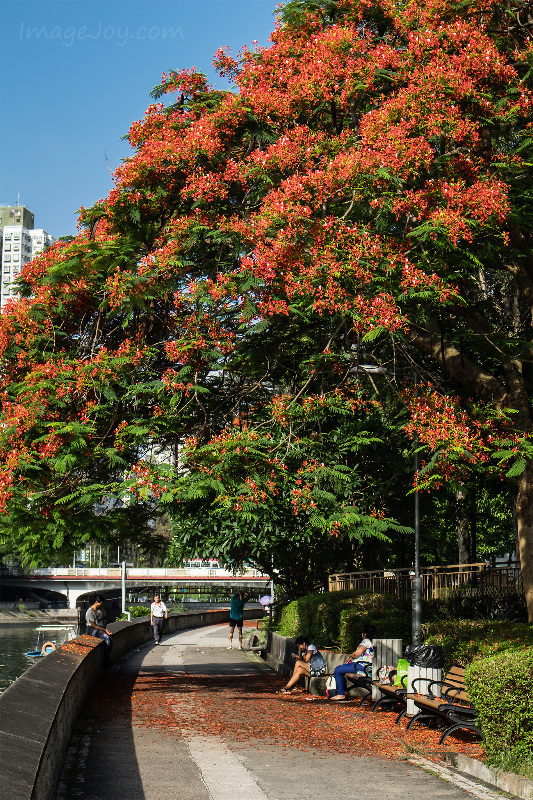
(278, 653)
(39, 710)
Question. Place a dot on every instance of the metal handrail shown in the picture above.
(435, 579)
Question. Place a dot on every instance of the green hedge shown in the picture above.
(481, 603)
(336, 619)
(465, 641)
(389, 625)
(500, 688)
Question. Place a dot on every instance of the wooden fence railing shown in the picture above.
(436, 581)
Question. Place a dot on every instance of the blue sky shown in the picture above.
(75, 73)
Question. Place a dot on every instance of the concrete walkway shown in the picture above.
(173, 722)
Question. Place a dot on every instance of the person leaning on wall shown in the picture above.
(95, 619)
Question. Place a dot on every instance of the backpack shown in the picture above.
(387, 674)
(317, 664)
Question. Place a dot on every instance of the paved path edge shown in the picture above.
(504, 781)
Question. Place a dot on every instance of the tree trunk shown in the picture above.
(473, 528)
(524, 516)
(463, 528)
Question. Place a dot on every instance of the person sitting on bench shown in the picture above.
(302, 668)
(356, 662)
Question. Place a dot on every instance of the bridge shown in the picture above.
(76, 584)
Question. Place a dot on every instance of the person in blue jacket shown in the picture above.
(238, 602)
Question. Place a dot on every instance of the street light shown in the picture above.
(416, 586)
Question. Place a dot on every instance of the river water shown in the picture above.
(14, 641)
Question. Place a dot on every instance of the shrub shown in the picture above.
(389, 625)
(315, 615)
(487, 603)
(464, 641)
(500, 688)
(178, 608)
(287, 619)
(337, 618)
(135, 611)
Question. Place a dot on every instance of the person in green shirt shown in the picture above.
(238, 602)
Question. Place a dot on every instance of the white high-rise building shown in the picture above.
(19, 246)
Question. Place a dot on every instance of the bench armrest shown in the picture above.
(452, 710)
(430, 684)
(452, 694)
(441, 684)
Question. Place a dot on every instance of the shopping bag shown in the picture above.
(401, 672)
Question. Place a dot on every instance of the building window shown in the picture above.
(7, 248)
(7, 257)
(7, 236)
(16, 236)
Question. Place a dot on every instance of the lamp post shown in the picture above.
(123, 588)
(416, 581)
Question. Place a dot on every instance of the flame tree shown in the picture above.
(369, 180)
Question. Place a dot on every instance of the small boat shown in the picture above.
(58, 627)
(48, 647)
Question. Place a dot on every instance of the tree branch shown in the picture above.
(462, 369)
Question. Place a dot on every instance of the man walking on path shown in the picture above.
(238, 602)
(158, 612)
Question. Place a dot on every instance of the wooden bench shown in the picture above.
(450, 706)
(386, 651)
(392, 697)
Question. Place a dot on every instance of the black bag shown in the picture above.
(317, 664)
(424, 655)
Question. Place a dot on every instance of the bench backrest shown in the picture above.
(456, 677)
(386, 652)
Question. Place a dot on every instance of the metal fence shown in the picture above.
(437, 582)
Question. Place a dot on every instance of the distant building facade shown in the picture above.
(20, 242)
(16, 215)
